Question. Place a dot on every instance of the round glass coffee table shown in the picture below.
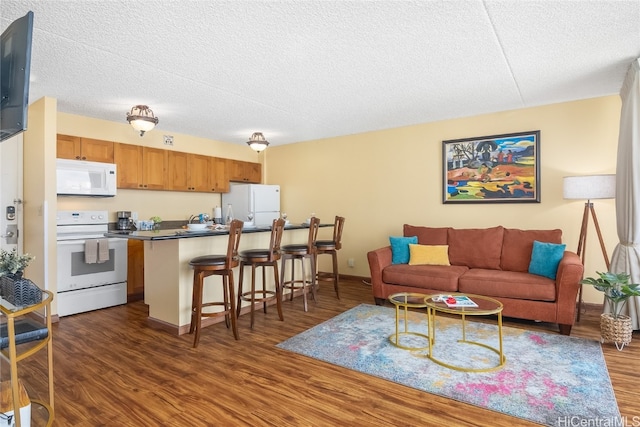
(403, 301)
(484, 306)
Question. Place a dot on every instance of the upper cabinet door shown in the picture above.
(218, 179)
(154, 168)
(95, 150)
(128, 159)
(178, 175)
(68, 147)
(199, 173)
(254, 172)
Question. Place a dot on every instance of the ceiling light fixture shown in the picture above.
(257, 142)
(142, 119)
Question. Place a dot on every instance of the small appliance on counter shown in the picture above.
(124, 220)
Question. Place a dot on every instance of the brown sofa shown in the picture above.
(493, 262)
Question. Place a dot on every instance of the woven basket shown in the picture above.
(618, 330)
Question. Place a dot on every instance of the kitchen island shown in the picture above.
(168, 277)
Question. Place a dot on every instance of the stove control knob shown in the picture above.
(93, 217)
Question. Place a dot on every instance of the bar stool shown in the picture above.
(301, 252)
(220, 265)
(330, 247)
(262, 258)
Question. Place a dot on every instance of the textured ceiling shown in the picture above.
(302, 70)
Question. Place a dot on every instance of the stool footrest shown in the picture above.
(267, 295)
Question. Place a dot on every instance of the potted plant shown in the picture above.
(156, 222)
(12, 265)
(614, 326)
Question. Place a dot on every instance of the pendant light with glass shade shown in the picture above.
(258, 142)
(142, 119)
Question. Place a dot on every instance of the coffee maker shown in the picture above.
(124, 220)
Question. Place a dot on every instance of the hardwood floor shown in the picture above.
(112, 369)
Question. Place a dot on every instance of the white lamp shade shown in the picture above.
(258, 146)
(142, 125)
(589, 187)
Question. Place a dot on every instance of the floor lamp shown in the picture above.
(589, 187)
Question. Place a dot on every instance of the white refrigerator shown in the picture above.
(260, 199)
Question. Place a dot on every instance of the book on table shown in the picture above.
(459, 301)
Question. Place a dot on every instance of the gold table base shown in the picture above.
(401, 301)
(431, 316)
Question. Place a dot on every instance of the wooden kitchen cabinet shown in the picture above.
(135, 270)
(188, 172)
(140, 167)
(78, 148)
(244, 171)
(199, 172)
(218, 179)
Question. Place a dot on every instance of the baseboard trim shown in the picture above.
(364, 279)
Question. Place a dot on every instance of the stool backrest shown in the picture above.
(277, 228)
(337, 231)
(314, 225)
(235, 231)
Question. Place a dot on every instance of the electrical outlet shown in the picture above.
(351, 262)
(168, 140)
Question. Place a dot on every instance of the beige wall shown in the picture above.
(381, 180)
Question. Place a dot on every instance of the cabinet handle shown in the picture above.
(77, 157)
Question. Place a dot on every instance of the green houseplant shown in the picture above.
(617, 289)
(12, 264)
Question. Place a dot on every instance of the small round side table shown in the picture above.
(404, 301)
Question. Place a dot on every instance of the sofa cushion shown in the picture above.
(427, 235)
(545, 258)
(507, 284)
(517, 246)
(400, 248)
(428, 254)
(476, 247)
(438, 277)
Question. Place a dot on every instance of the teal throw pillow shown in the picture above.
(400, 248)
(545, 258)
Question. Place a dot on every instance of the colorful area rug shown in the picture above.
(548, 378)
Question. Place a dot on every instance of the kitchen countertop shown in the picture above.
(182, 233)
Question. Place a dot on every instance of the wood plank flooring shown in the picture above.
(112, 369)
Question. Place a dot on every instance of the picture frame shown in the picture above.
(492, 169)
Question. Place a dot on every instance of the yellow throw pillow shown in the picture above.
(428, 254)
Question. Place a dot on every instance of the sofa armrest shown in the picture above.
(568, 277)
(378, 260)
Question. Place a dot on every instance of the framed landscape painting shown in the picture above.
(492, 169)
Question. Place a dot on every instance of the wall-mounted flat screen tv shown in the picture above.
(15, 68)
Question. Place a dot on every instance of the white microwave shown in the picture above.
(81, 178)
